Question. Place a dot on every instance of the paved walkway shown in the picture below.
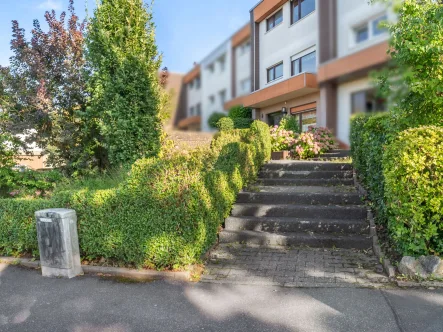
(29, 302)
(293, 267)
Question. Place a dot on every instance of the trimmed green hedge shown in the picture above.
(165, 215)
(413, 169)
(403, 173)
(225, 124)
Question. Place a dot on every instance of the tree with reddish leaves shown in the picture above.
(45, 86)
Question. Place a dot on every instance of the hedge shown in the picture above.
(413, 171)
(369, 135)
(165, 215)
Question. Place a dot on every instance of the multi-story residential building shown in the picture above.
(284, 61)
(307, 58)
(311, 59)
(216, 84)
(351, 44)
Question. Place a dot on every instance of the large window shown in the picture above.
(275, 72)
(366, 101)
(307, 63)
(198, 109)
(370, 29)
(275, 20)
(301, 8)
(306, 118)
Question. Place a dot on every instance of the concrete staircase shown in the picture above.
(301, 203)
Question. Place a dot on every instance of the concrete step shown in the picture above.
(300, 198)
(302, 189)
(345, 241)
(304, 182)
(285, 225)
(300, 211)
(267, 174)
(291, 165)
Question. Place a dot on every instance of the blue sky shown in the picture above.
(186, 30)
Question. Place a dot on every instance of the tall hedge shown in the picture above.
(165, 215)
(413, 171)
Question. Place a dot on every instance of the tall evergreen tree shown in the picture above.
(126, 93)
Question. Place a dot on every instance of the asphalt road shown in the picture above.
(29, 302)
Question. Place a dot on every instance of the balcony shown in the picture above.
(294, 87)
(191, 123)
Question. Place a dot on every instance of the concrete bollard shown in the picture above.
(58, 243)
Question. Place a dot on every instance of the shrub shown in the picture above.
(290, 123)
(225, 124)
(240, 112)
(242, 123)
(356, 138)
(413, 169)
(313, 142)
(214, 118)
(281, 139)
(165, 215)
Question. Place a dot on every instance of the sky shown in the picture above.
(186, 31)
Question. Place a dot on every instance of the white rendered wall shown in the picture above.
(352, 14)
(284, 41)
(214, 83)
(344, 105)
(194, 97)
(242, 70)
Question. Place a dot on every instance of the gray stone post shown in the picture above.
(58, 243)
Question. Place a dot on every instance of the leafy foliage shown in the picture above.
(290, 123)
(44, 89)
(414, 81)
(164, 215)
(213, 119)
(413, 169)
(242, 123)
(240, 112)
(225, 124)
(126, 94)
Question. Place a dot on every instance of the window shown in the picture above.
(245, 47)
(370, 30)
(198, 109)
(301, 8)
(361, 34)
(275, 20)
(191, 111)
(366, 101)
(212, 99)
(306, 118)
(222, 65)
(376, 28)
(191, 85)
(307, 63)
(245, 85)
(211, 68)
(197, 83)
(275, 72)
(222, 95)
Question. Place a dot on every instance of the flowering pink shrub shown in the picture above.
(315, 141)
(281, 139)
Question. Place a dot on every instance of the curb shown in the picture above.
(140, 275)
(387, 266)
(412, 284)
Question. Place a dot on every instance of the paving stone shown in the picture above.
(293, 267)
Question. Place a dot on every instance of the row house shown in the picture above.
(221, 80)
(307, 58)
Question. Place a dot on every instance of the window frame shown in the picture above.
(273, 69)
(299, 17)
(369, 26)
(299, 59)
(272, 17)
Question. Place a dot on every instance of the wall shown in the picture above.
(344, 105)
(213, 83)
(352, 14)
(284, 41)
(194, 97)
(242, 69)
